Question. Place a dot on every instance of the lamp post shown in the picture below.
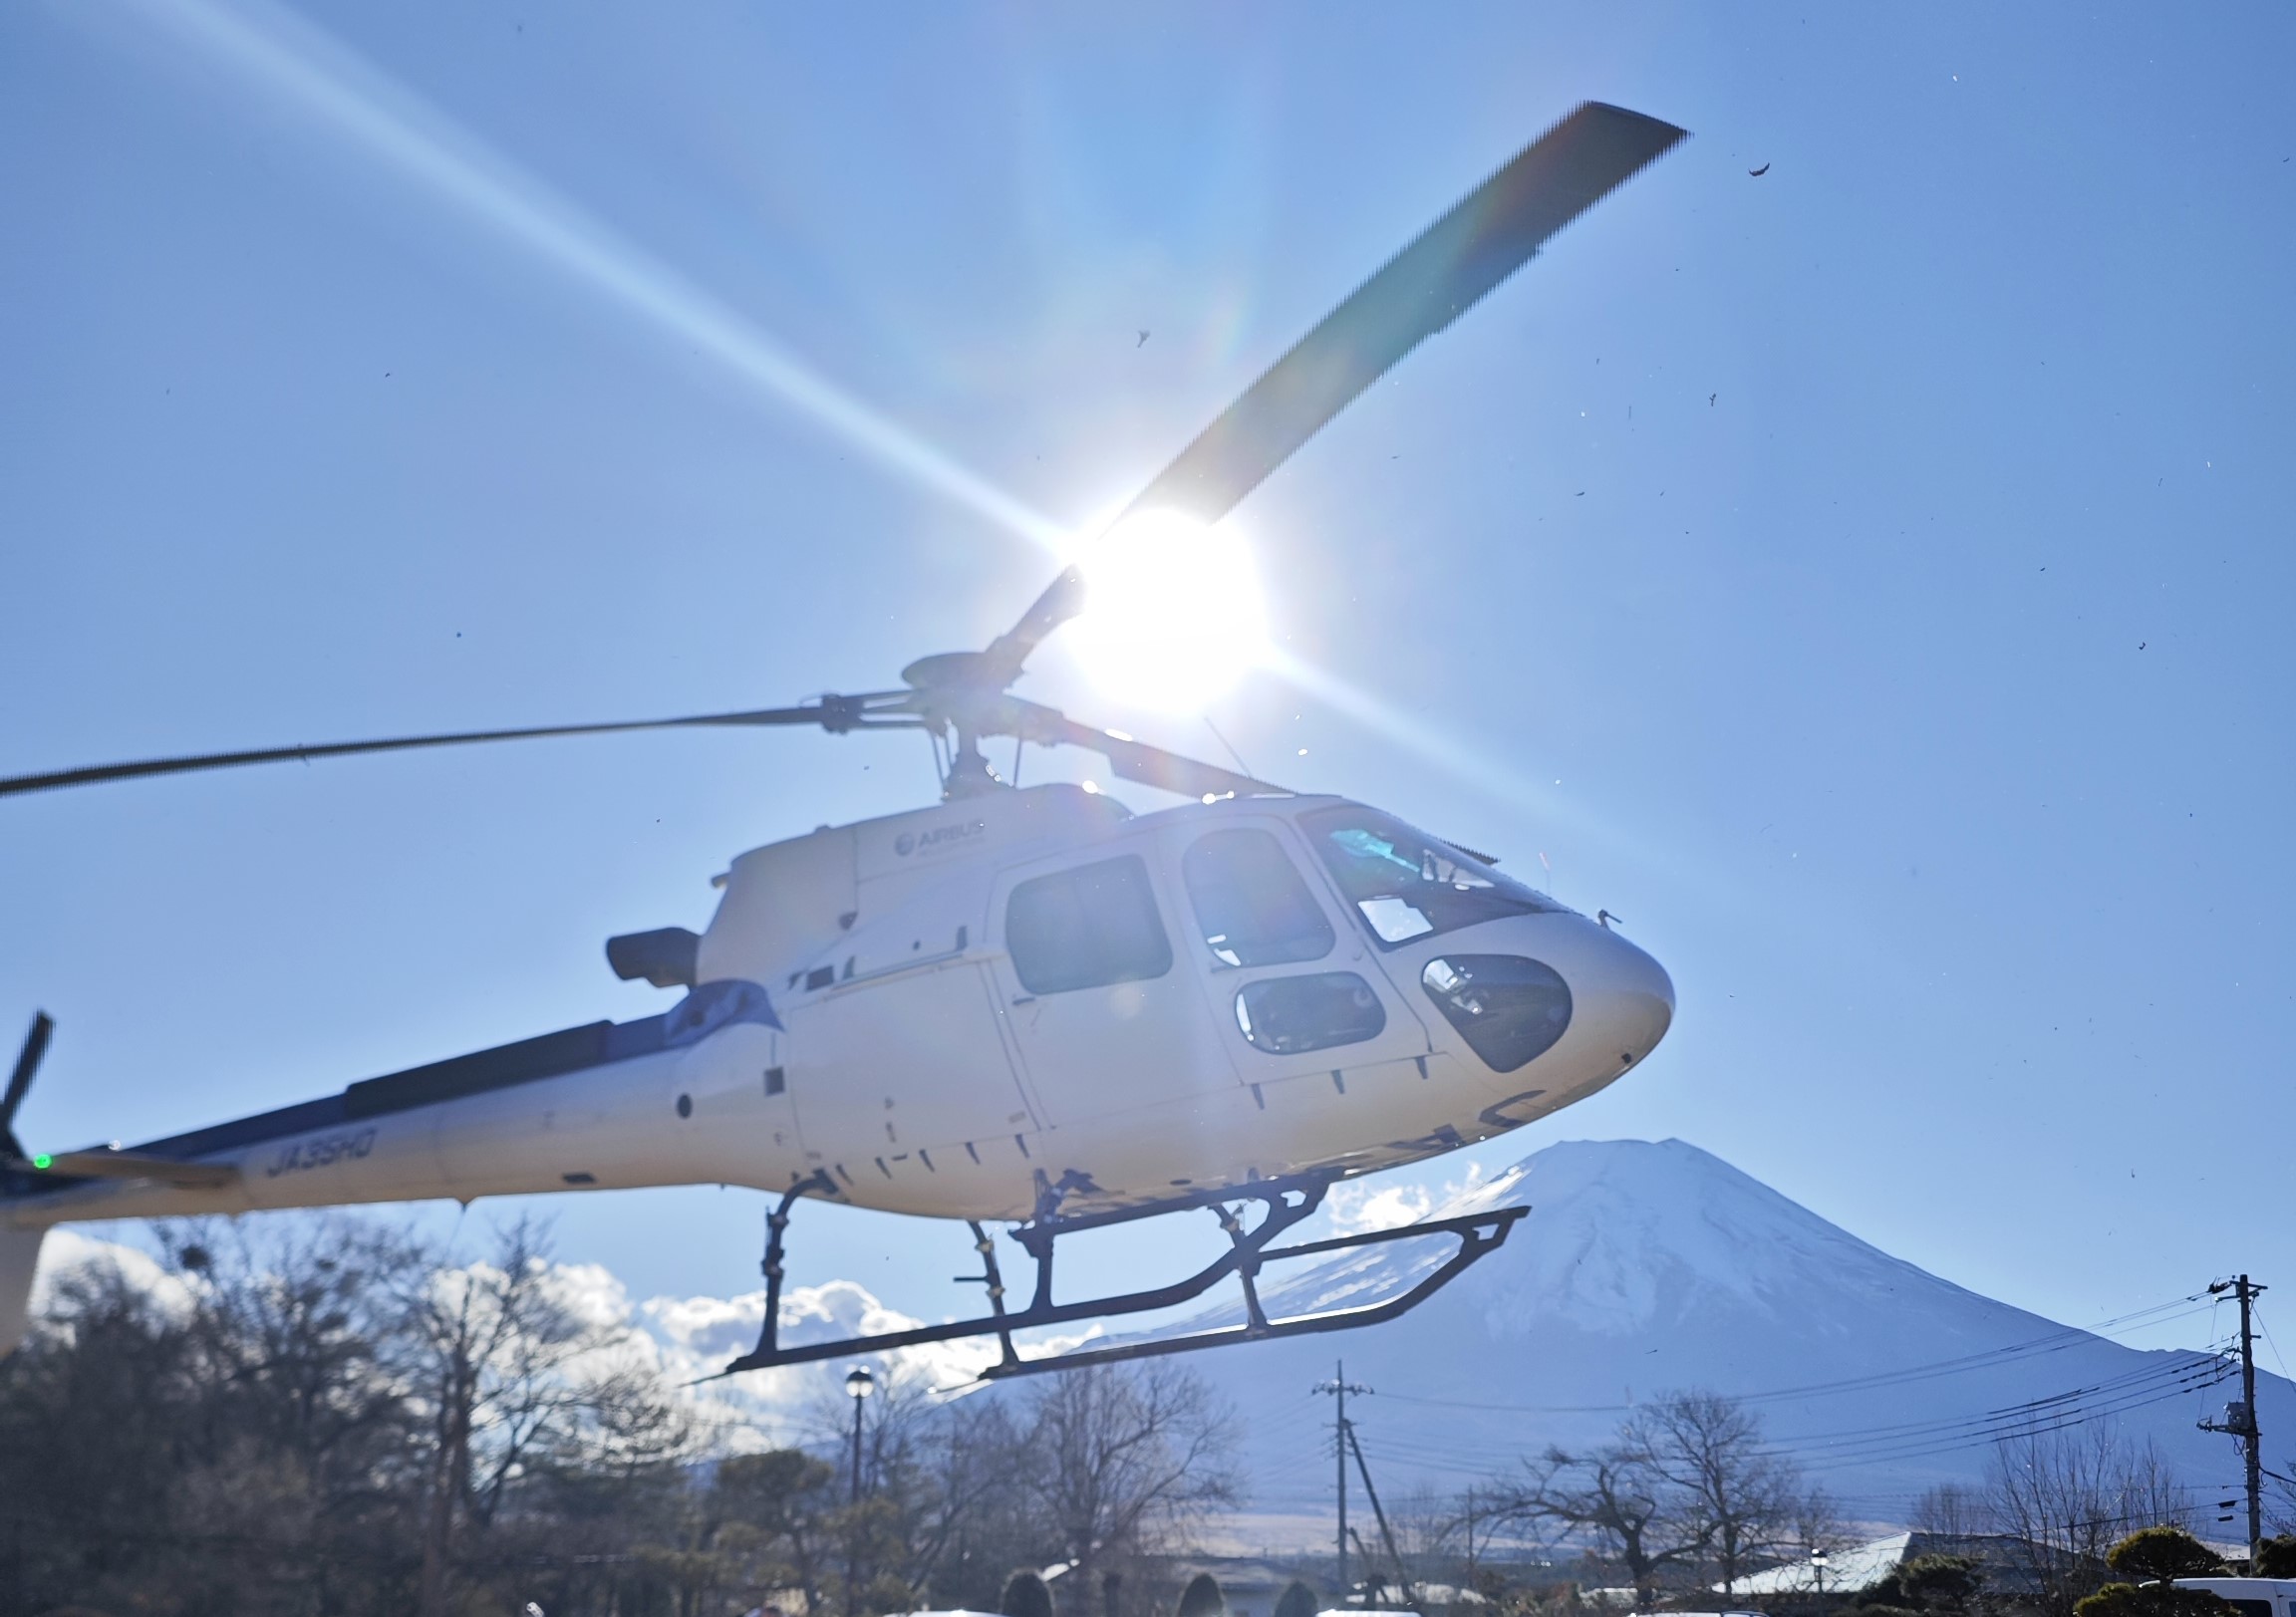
(1818, 1565)
(859, 1384)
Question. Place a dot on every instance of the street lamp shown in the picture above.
(1818, 1565)
(859, 1384)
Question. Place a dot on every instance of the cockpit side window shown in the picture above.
(1086, 927)
(1250, 903)
(1406, 883)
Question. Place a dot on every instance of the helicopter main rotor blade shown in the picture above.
(1062, 599)
(837, 714)
(1131, 760)
(1489, 235)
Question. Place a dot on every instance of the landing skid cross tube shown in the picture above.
(1287, 1202)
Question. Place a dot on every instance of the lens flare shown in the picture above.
(1173, 616)
(300, 66)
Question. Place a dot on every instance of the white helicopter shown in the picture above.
(1026, 1005)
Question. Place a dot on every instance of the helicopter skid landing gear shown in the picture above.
(1286, 1203)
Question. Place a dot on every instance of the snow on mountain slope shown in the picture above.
(1649, 1267)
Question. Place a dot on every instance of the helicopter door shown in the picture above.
(1291, 985)
(910, 1061)
(1102, 1020)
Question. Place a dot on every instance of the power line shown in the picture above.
(1828, 1451)
(2206, 1371)
(1978, 1438)
(2273, 1343)
(2056, 1341)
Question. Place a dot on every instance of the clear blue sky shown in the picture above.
(1869, 578)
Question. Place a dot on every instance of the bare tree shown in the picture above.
(289, 1328)
(929, 1471)
(1480, 1518)
(1619, 1498)
(2068, 1496)
(1738, 1500)
(1817, 1523)
(1119, 1458)
(2152, 1496)
(493, 1347)
(1950, 1511)
(1688, 1482)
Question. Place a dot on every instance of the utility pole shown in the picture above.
(1402, 1574)
(2241, 1419)
(1339, 1387)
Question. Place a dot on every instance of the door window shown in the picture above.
(1285, 1015)
(1086, 927)
(1250, 903)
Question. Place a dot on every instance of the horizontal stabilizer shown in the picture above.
(134, 1165)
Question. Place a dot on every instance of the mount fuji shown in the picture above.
(1646, 1268)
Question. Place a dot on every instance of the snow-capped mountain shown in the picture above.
(1644, 1268)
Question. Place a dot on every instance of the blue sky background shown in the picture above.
(1870, 580)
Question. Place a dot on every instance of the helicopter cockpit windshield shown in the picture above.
(1407, 884)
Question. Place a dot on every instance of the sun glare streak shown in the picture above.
(304, 66)
(1456, 758)
(1683, 868)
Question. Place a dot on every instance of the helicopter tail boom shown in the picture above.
(582, 1108)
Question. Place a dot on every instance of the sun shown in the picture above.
(1173, 615)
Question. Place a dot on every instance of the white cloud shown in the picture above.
(1358, 1207)
(1361, 1205)
(67, 1252)
(703, 1334)
(683, 1342)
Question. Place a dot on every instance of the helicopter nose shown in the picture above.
(1632, 1004)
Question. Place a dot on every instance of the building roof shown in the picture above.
(2000, 1557)
(1859, 1567)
